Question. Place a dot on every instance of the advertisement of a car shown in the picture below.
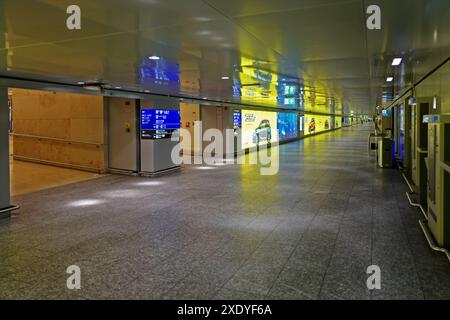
(258, 128)
(317, 123)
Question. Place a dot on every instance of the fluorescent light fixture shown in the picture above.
(397, 61)
(434, 103)
(390, 79)
(225, 78)
(81, 83)
(154, 58)
(118, 87)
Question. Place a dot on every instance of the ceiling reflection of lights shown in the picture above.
(397, 61)
(122, 193)
(202, 19)
(204, 168)
(85, 203)
(154, 58)
(389, 79)
(204, 33)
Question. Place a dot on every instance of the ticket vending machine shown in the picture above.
(438, 163)
(419, 148)
(159, 140)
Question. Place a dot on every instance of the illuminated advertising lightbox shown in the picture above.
(302, 123)
(258, 128)
(317, 123)
(159, 124)
(337, 122)
(287, 125)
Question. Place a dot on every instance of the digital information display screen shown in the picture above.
(237, 119)
(159, 123)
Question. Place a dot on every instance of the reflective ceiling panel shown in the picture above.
(312, 55)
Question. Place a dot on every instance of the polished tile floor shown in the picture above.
(226, 232)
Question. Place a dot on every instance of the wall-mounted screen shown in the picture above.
(159, 123)
(287, 124)
(237, 119)
(258, 128)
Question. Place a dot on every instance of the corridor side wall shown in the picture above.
(59, 128)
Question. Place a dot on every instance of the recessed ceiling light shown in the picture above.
(154, 58)
(147, 91)
(202, 19)
(118, 87)
(81, 83)
(389, 79)
(397, 61)
(225, 78)
(204, 33)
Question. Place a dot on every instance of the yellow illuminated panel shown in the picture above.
(337, 122)
(258, 128)
(317, 123)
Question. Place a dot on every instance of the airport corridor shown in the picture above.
(227, 232)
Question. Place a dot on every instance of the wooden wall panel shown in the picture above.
(59, 128)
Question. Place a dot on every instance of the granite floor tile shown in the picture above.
(309, 232)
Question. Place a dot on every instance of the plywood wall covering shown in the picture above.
(60, 128)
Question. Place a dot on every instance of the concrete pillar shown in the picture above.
(4, 152)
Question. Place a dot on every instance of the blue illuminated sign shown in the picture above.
(387, 113)
(287, 125)
(159, 119)
(237, 119)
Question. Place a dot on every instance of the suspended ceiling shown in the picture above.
(315, 55)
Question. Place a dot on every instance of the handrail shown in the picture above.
(417, 205)
(9, 209)
(422, 223)
(431, 241)
(19, 135)
(420, 150)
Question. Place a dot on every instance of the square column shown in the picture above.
(5, 201)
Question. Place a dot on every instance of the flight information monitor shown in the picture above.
(159, 123)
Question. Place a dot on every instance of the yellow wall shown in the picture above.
(59, 128)
(189, 113)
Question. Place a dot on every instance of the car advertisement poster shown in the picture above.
(258, 128)
(317, 123)
(287, 125)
